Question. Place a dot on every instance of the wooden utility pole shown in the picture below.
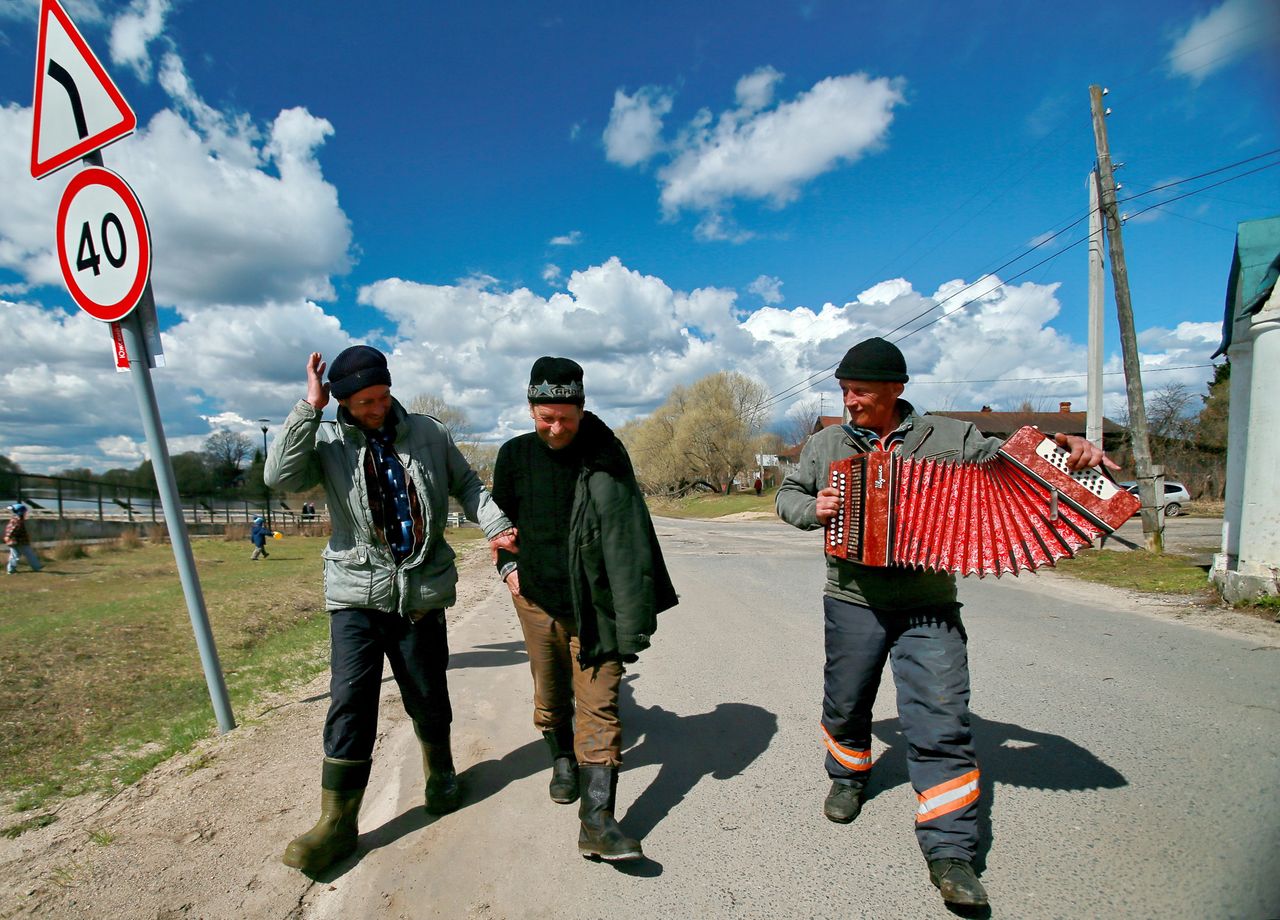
(1093, 404)
(1144, 471)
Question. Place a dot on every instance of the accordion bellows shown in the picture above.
(1016, 511)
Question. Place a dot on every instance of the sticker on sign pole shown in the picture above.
(104, 244)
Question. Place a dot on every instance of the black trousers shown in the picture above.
(418, 652)
(926, 650)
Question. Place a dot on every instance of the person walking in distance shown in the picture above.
(587, 584)
(389, 575)
(18, 539)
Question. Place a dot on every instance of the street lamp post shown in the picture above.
(264, 423)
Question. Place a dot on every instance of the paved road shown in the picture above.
(1130, 765)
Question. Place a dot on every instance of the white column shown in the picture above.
(1259, 539)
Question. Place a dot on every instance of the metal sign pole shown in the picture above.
(134, 340)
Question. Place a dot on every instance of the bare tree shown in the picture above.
(798, 423)
(454, 419)
(225, 452)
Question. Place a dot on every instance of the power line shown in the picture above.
(1145, 370)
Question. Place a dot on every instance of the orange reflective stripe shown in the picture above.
(948, 797)
(848, 757)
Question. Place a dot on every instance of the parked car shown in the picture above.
(1175, 495)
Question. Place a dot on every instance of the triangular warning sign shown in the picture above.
(77, 107)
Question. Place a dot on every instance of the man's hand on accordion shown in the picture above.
(1084, 453)
(828, 505)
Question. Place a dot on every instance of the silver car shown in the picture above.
(1175, 495)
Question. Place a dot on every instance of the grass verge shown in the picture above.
(100, 678)
(707, 506)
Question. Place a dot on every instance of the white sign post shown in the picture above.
(104, 250)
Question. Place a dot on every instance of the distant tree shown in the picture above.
(706, 432)
(1211, 424)
(225, 452)
(454, 419)
(192, 473)
(9, 473)
(797, 424)
(79, 472)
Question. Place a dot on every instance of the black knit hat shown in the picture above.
(556, 380)
(355, 368)
(873, 359)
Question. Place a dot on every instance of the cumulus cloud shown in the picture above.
(768, 288)
(1223, 35)
(238, 214)
(133, 31)
(758, 150)
(572, 238)
(633, 134)
(552, 273)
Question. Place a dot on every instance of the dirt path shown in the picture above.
(200, 836)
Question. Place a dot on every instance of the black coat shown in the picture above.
(618, 578)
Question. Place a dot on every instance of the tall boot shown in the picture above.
(564, 766)
(601, 837)
(342, 785)
(443, 793)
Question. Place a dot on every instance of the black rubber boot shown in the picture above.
(601, 837)
(342, 785)
(443, 793)
(844, 801)
(957, 882)
(564, 767)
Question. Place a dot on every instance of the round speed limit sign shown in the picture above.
(104, 245)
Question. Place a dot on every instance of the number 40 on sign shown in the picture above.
(104, 244)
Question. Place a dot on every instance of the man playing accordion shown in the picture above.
(907, 616)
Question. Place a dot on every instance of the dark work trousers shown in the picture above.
(418, 652)
(926, 651)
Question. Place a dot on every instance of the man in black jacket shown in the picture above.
(588, 584)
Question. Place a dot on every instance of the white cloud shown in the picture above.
(133, 30)
(236, 217)
(572, 238)
(756, 151)
(1223, 35)
(755, 90)
(552, 273)
(472, 342)
(768, 288)
(633, 134)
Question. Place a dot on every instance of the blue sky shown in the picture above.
(659, 190)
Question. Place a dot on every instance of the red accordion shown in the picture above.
(1020, 509)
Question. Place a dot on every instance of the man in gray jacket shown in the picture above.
(388, 576)
(906, 616)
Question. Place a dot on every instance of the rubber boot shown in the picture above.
(443, 793)
(342, 785)
(601, 837)
(957, 882)
(844, 801)
(564, 768)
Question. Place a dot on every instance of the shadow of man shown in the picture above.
(494, 655)
(720, 744)
(1008, 754)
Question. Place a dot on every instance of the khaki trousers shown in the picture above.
(559, 682)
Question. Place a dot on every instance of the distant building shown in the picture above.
(1004, 424)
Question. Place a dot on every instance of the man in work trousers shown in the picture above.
(588, 586)
(909, 617)
(388, 576)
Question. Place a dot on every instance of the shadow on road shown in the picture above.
(479, 781)
(496, 655)
(1008, 754)
(720, 744)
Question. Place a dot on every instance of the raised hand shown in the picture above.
(317, 389)
(1084, 453)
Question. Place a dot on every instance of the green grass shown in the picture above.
(706, 506)
(1139, 570)
(100, 678)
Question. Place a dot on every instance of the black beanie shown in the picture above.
(556, 380)
(355, 368)
(873, 359)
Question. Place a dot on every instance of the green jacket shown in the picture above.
(359, 568)
(617, 577)
(926, 436)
